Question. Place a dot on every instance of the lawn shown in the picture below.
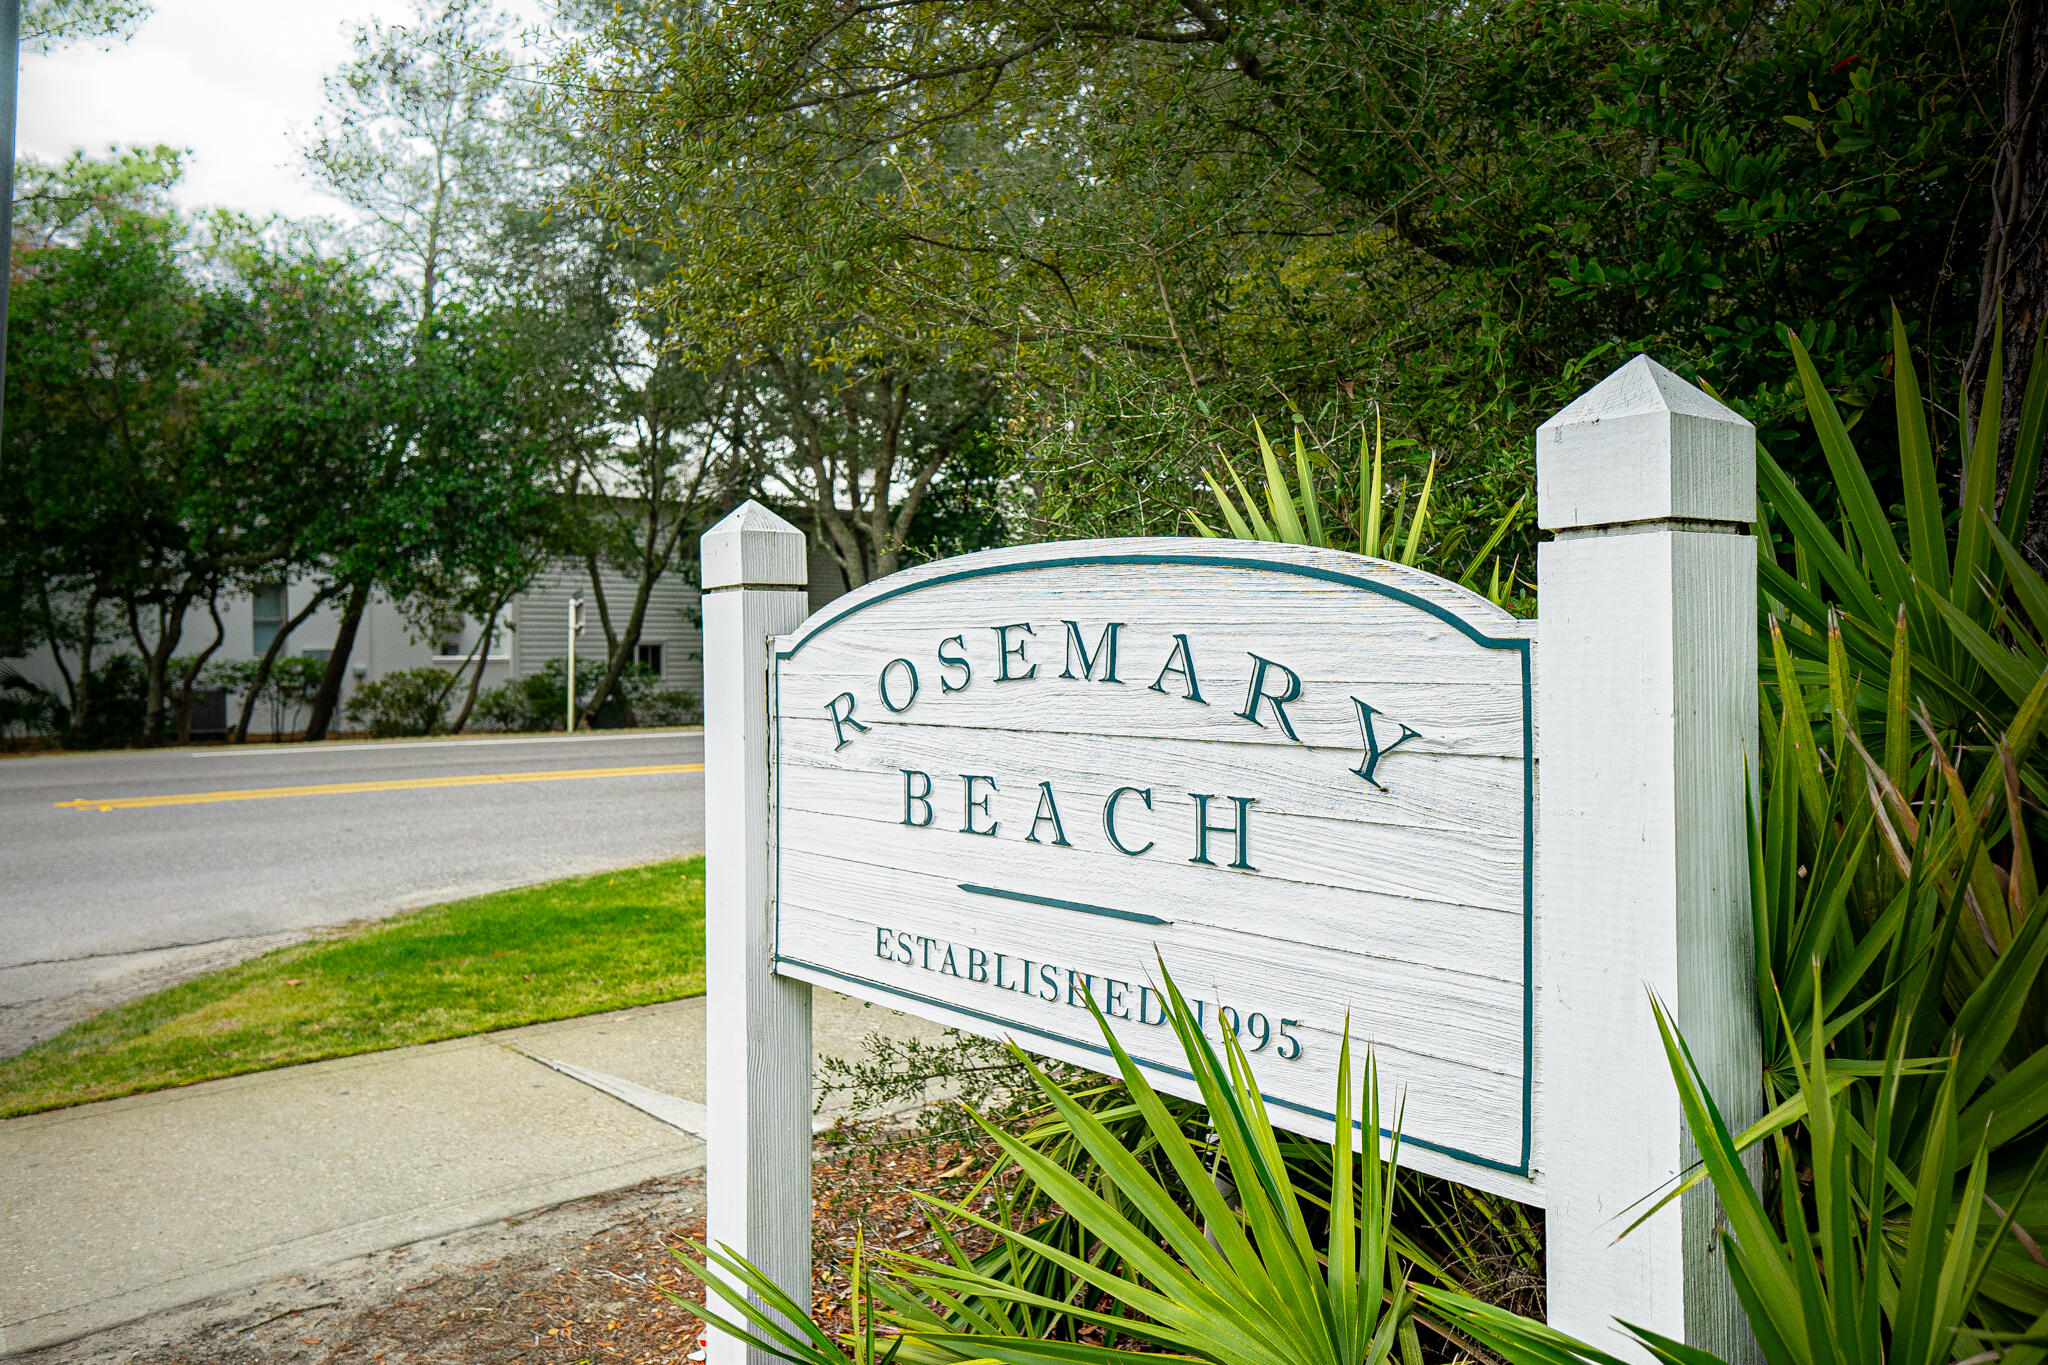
(551, 951)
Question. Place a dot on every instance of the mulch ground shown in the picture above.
(606, 1293)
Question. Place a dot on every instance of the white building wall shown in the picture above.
(532, 630)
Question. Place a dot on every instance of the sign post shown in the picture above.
(757, 1028)
(992, 790)
(1646, 696)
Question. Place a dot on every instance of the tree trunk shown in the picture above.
(269, 661)
(56, 652)
(157, 660)
(184, 705)
(622, 648)
(2015, 270)
(88, 633)
(329, 695)
(476, 679)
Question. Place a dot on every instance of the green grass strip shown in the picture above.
(552, 951)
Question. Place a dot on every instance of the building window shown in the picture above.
(648, 657)
(267, 604)
(456, 639)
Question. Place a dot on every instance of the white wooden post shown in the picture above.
(1646, 691)
(757, 1068)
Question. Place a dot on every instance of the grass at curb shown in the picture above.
(552, 951)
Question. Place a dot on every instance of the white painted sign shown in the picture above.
(1007, 783)
(993, 789)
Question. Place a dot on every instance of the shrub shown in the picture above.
(28, 708)
(534, 702)
(538, 700)
(293, 682)
(498, 708)
(670, 706)
(412, 701)
(116, 705)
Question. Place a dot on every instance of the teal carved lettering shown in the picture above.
(840, 720)
(1005, 651)
(1181, 661)
(883, 948)
(1049, 977)
(1146, 995)
(1105, 652)
(999, 975)
(903, 950)
(1113, 998)
(926, 944)
(1242, 828)
(949, 967)
(1109, 819)
(968, 780)
(1087, 984)
(956, 660)
(1373, 752)
(1256, 692)
(913, 798)
(1048, 810)
(882, 685)
(977, 965)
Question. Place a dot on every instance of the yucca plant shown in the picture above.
(1975, 613)
(1827, 1277)
(1894, 848)
(1233, 1280)
(1297, 514)
(1212, 1254)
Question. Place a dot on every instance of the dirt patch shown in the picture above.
(589, 1281)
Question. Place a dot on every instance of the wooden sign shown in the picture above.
(1013, 782)
(996, 790)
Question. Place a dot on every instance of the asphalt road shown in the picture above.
(98, 904)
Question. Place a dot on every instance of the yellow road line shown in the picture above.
(397, 785)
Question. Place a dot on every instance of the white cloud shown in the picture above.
(233, 81)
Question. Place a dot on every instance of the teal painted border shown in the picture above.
(814, 627)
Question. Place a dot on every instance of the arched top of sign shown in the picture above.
(1010, 783)
(1456, 606)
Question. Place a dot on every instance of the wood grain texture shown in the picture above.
(757, 1069)
(1648, 706)
(1405, 909)
(1644, 445)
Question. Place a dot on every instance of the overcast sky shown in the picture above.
(231, 81)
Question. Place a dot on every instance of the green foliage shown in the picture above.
(49, 24)
(1149, 219)
(410, 701)
(119, 687)
(28, 708)
(552, 951)
(537, 701)
(667, 706)
(286, 690)
(1206, 1252)
(1881, 1252)
(196, 409)
(1298, 518)
(1901, 943)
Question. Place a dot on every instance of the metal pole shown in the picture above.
(575, 629)
(10, 80)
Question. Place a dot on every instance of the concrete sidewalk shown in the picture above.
(112, 1211)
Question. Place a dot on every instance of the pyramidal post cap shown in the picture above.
(753, 548)
(1644, 445)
